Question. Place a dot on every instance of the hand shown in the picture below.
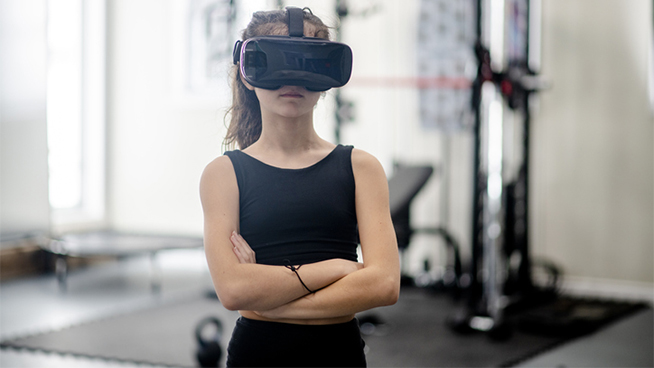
(242, 249)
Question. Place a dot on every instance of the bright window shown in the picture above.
(76, 111)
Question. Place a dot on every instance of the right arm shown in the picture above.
(248, 286)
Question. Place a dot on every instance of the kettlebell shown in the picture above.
(209, 350)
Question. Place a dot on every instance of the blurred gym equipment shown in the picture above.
(501, 266)
(209, 349)
(404, 185)
(116, 244)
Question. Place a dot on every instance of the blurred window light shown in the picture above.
(64, 103)
(76, 109)
(650, 71)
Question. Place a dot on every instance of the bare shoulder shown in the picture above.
(371, 189)
(369, 177)
(365, 164)
(218, 168)
(218, 175)
(219, 165)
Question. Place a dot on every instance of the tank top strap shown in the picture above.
(345, 151)
(237, 163)
(343, 159)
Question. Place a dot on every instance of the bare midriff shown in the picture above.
(317, 321)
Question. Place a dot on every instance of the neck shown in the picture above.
(288, 135)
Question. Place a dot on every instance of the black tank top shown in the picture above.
(302, 215)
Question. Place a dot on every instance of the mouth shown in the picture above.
(291, 95)
(291, 92)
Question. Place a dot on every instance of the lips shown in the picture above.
(292, 94)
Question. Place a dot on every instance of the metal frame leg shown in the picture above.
(155, 274)
(61, 270)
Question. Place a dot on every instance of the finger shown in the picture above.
(237, 248)
(243, 242)
(242, 245)
(239, 256)
(235, 239)
(245, 253)
(245, 247)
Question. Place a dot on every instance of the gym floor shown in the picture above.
(37, 304)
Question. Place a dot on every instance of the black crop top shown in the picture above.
(302, 215)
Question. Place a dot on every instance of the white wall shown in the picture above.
(160, 136)
(159, 144)
(592, 161)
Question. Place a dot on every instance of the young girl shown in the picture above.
(283, 218)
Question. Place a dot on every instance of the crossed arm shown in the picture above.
(344, 287)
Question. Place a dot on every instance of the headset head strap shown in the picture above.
(295, 21)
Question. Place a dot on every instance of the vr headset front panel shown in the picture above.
(273, 61)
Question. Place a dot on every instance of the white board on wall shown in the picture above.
(24, 204)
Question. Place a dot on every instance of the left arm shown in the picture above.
(378, 282)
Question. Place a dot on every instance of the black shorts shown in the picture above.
(272, 344)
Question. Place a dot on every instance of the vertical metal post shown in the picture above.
(155, 274)
(493, 214)
(475, 285)
(341, 11)
(61, 270)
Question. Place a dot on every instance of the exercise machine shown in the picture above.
(500, 266)
(404, 185)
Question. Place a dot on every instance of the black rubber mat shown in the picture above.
(163, 335)
(411, 333)
(416, 335)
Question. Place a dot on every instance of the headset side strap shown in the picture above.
(236, 54)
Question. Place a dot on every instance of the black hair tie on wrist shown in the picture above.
(294, 269)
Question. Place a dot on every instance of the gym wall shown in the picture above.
(592, 159)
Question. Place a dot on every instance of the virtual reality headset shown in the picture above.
(270, 62)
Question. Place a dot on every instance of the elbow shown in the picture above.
(394, 294)
(230, 298)
(228, 303)
(385, 289)
(389, 291)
